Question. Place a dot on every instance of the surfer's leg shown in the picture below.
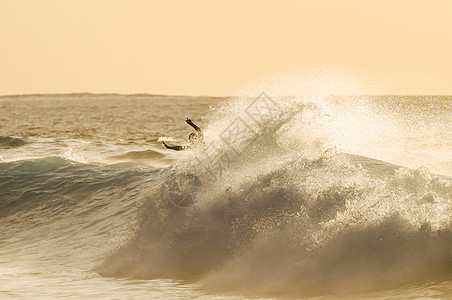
(176, 148)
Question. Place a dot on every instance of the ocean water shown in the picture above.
(310, 198)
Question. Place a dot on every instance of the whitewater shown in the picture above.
(288, 197)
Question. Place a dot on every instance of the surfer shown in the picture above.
(193, 138)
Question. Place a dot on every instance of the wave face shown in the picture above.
(53, 185)
(279, 211)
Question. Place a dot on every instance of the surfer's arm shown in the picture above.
(189, 122)
(176, 148)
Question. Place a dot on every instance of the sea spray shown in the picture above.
(285, 220)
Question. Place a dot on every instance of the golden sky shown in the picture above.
(226, 47)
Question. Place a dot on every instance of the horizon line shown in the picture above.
(205, 96)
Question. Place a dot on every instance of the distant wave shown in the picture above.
(142, 156)
(280, 219)
(10, 142)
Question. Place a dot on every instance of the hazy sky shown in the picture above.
(226, 47)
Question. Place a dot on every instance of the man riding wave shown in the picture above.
(193, 138)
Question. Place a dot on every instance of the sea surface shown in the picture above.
(285, 197)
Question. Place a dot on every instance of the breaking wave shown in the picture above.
(276, 210)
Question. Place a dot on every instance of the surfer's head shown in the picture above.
(192, 138)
